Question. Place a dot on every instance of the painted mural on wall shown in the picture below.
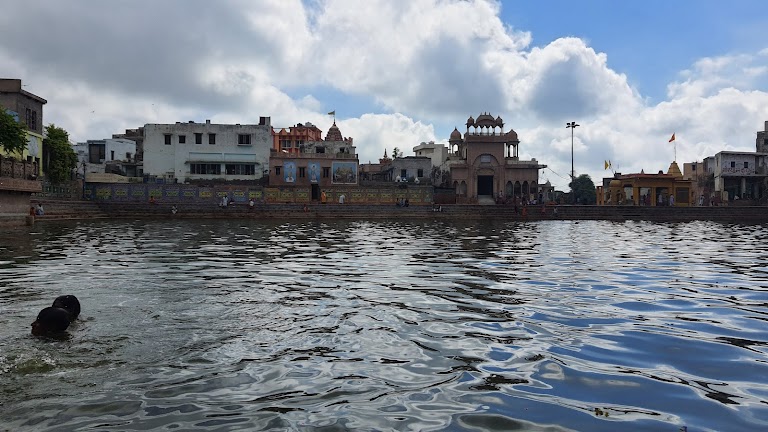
(289, 172)
(314, 172)
(344, 172)
(171, 193)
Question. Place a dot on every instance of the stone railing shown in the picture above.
(10, 167)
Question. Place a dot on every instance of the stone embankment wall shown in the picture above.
(180, 193)
(56, 210)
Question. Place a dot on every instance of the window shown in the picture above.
(320, 150)
(326, 172)
(112, 155)
(202, 168)
(733, 164)
(211, 139)
(301, 172)
(198, 138)
(240, 169)
(96, 153)
(277, 170)
(28, 118)
(284, 143)
(746, 164)
(243, 139)
(420, 173)
(167, 139)
(128, 156)
(182, 139)
(34, 120)
(403, 173)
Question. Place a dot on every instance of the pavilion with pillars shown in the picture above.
(484, 163)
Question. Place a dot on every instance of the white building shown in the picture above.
(95, 155)
(740, 174)
(204, 151)
(438, 153)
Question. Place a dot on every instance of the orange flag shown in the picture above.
(673, 137)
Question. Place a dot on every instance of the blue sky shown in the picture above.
(401, 72)
(649, 41)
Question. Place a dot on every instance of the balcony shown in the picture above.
(19, 176)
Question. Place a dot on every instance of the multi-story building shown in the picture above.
(137, 136)
(296, 137)
(740, 175)
(109, 155)
(318, 163)
(761, 142)
(731, 175)
(485, 162)
(27, 108)
(183, 152)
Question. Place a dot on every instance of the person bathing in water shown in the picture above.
(57, 318)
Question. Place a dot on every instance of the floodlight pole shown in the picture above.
(572, 126)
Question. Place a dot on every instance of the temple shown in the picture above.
(485, 165)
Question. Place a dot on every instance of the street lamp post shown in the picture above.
(572, 126)
(83, 180)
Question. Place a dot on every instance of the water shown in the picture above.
(407, 326)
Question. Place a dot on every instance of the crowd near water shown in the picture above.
(378, 325)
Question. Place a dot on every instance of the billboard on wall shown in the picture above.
(314, 172)
(344, 172)
(289, 172)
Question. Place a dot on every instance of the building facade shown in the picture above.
(109, 155)
(740, 175)
(655, 190)
(190, 151)
(293, 139)
(437, 153)
(317, 165)
(485, 162)
(26, 108)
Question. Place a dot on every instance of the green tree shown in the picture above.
(13, 135)
(61, 158)
(583, 190)
(396, 153)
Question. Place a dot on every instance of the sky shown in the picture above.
(401, 72)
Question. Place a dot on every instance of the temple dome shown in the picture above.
(334, 134)
(470, 121)
(674, 170)
(455, 135)
(485, 120)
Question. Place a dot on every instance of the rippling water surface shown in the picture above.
(407, 326)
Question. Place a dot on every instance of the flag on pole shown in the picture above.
(333, 113)
(673, 137)
(607, 164)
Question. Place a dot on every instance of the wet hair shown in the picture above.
(70, 304)
(50, 320)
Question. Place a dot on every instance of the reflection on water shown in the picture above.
(233, 325)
